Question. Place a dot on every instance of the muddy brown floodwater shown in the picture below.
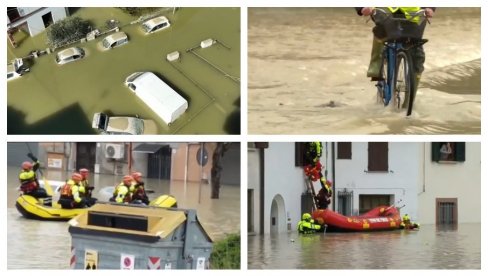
(307, 74)
(34, 244)
(61, 99)
(428, 248)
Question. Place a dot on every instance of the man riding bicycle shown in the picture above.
(418, 55)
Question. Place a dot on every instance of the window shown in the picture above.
(446, 211)
(344, 150)
(378, 157)
(448, 151)
(368, 202)
(345, 202)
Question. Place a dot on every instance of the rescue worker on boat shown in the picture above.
(87, 193)
(139, 192)
(407, 224)
(307, 225)
(312, 158)
(123, 191)
(29, 185)
(71, 191)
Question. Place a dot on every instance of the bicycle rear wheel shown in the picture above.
(404, 83)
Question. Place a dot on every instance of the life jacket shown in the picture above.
(123, 190)
(406, 11)
(66, 191)
(27, 176)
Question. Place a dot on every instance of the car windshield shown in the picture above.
(102, 121)
(138, 126)
(146, 28)
(106, 44)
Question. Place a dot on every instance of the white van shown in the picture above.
(123, 125)
(155, 24)
(160, 97)
(115, 40)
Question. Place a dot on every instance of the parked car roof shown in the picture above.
(70, 52)
(116, 36)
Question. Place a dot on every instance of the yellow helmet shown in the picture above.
(306, 216)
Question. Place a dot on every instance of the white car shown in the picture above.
(16, 69)
(70, 55)
(123, 125)
(155, 24)
(115, 40)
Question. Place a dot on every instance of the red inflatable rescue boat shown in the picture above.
(378, 219)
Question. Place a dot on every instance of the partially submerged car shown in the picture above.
(123, 125)
(155, 24)
(115, 40)
(16, 69)
(70, 55)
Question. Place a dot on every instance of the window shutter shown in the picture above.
(344, 150)
(460, 152)
(299, 154)
(436, 154)
(378, 156)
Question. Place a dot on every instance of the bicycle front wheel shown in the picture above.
(404, 82)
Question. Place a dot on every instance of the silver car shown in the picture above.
(69, 55)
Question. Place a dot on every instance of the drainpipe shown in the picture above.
(186, 164)
(333, 176)
(130, 157)
(261, 191)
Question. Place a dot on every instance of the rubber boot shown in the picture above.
(375, 62)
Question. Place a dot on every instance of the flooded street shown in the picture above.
(61, 99)
(48, 243)
(427, 248)
(307, 74)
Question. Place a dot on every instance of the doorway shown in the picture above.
(277, 215)
(47, 19)
(86, 155)
(159, 163)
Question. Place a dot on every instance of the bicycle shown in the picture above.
(397, 80)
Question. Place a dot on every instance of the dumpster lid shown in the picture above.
(153, 221)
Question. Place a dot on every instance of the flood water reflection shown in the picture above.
(36, 244)
(429, 248)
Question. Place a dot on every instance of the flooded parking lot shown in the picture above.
(428, 248)
(53, 99)
(307, 74)
(48, 243)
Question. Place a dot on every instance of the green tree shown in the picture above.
(67, 30)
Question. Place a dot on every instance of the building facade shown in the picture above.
(34, 20)
(416, 177)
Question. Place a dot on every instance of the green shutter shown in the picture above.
(436, 154)
(460, 152)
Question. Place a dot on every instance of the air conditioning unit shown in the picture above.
(114, 151)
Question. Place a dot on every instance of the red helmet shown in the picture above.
(76, 177)
(27, 165)
(84, 172)
(136, 175)
(127, 179)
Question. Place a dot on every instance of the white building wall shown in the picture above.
(283, 178)
(461, 180)
(401, 181)
(253, 183)
(35, 23)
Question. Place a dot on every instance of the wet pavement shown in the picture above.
(428, 248)
(307, 75)
(54, 99)
(36, 244)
